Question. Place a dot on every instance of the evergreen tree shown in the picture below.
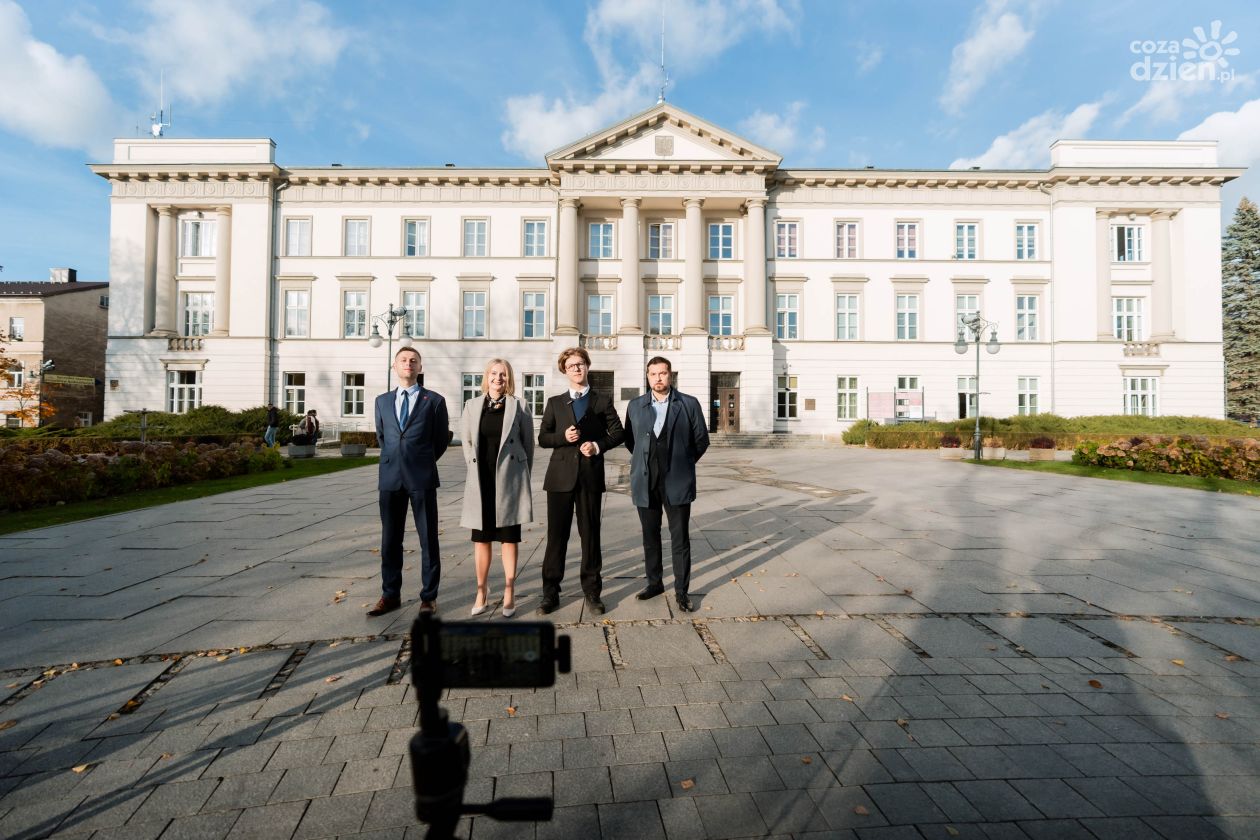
(1240, 312)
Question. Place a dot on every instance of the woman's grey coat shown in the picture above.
(514, 502)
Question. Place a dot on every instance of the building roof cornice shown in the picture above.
(185, 172)
(1001, 179)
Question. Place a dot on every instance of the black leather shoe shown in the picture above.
(550, 603)
(684, 603)
(595, 605)
(385, 605)
(650, 592)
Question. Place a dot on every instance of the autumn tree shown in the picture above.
(22, 400)
(1240, 312)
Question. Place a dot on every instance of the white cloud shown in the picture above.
(783, 132)
(697, 32)
(209, 51)
(1163, 101)
(50, 98)
(868, 56)
(1028, 147)
(999, 35)
(1234, 131)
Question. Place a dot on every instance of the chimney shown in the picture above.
(63, 275)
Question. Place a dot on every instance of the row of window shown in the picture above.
(354, 391)
(17, 329)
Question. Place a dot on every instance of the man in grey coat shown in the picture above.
(666, 435)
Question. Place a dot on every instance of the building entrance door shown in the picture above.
(728, 414)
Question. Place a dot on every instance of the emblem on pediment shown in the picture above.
(664, 145)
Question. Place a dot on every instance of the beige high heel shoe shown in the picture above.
(485, 601)
(509, 591)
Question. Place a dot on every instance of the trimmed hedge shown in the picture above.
(51, 476)
(366, 438)
(1236, 458)
(1067, 432)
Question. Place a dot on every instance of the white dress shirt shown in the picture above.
(413, 393)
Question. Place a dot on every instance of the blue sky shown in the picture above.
(391, 83)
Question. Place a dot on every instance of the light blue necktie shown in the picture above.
(404, 412)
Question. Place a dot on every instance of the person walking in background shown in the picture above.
(497, 436)
(580, 425)
(413, 431)
(666, 436)
(273, 424)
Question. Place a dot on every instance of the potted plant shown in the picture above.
(993, 449)
(1041, 448)
(951, 448)
(355, 444)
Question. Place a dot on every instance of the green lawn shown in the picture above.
(26, 520)
(1192, 482)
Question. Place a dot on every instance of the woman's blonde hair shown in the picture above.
(510, 390)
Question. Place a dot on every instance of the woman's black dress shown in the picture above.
(489, 432)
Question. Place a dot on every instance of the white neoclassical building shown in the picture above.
(788, 300)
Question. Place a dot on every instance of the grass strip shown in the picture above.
(1190, 482)
(25, 520)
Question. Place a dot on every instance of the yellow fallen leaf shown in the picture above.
(7, 724)
(902, 722)
(511, 710)
(805, 759)
(242, 650)
(12, 685)
(1223, 715)
(861, 810)
(687, 784)
(165, 756)
(1233, 657)
(222, 658)
(1095, 684)
(334, 644)
(118, 662)
(1181, 663)
(951, 831)
(819, 612)
(332, 679)
(80, 768)
(846, 698)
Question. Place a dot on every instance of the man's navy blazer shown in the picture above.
(685, 435)
(409, 455)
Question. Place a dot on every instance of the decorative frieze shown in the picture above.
(178, 190)
(620, 183)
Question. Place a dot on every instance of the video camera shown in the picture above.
(519, 654)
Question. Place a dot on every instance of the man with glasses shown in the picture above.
(580, 425)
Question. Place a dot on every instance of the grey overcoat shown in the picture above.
(514, 502)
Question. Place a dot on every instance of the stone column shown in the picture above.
(1161, 276)
(755, 269)
(164, 270)
(1102, 263)
(222, 271)
(567, 269)
(630, 280)
(693, 269)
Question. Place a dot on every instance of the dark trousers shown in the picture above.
(679, 541)
(560, 509)
(393, 523)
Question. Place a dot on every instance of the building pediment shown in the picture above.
(667, 137)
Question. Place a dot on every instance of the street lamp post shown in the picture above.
(976, 326)
(391, 318)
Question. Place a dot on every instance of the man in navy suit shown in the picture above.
(666, 436)
(413, 430)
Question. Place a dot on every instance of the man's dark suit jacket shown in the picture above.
(684, 433)
(409, 455)
(600, 425)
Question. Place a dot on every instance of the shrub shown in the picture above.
(1041, 442)
(950, 442)
(368, 438)
(993, 442)
(1236, 458)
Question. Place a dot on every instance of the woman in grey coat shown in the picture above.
(498, 443)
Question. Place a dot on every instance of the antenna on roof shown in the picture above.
(159, 122)
(664, 74)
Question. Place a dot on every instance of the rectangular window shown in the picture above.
(907, 240)
(17, 375)
(785, 398)
(907, 383)
(415, 237)
(660, 314)
(535, 238)
(721, 241)
(17, 329)
(295, 393)
(965, 237)
(475, 315)
(846, 240)
(599, 315)
(183, 391)
(1127, 319)
(534, 394)
(12, 421)
(600, 244)
(470, 386)
(1026, 242)
(198, 313)
(721, 315)
(1128, 244)
(1141, 395)
(476, 233)
(356, 238)
(82, 419)
(297, 313)
(661, 241)
(354, 309)
(847, 317)
(786, 240)
(534, 315)
(1026, 395)
(966, 307)
(297, 237)
(1026, 326)
(907, 317)
(967, 396)
(787, 309)
(196, 238)
(846, 398)
(417, 306)
(353, 387)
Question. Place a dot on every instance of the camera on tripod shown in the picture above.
(520, 654)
